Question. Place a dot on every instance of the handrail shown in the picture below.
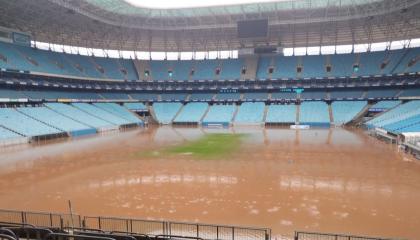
(8, 232)
(4, 236)
(74, 236)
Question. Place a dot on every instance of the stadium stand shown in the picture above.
(192, 113)
(250, 112)
(144, 96)
(201, 97)
(313, 95)
(119, 111)
(24, 125)
(173, 97)
(283, 95)
(81, 116)
(410, 93)
(281, 114)
(102, 114)
(345, 111)
(166, 112)
(314, 113)
(348, 94)
(255, 96)
(56, 120)
(382, 94)
(115, 96)
(219, 115)
(396, 115)
(228, 96)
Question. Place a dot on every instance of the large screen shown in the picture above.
(253, 28)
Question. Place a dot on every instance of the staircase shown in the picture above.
(97, 67)
(153, 118)
(251, 64)
(176, 115)
(205, 114)
(234, 113)
(141, 66)
(297, 114)
(358, 119)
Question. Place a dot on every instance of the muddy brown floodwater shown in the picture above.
(330, 180)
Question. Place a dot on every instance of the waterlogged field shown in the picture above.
(328, 180)
(209, 146)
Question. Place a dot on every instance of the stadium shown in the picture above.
(209, 120)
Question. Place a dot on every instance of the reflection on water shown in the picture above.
(332, 180)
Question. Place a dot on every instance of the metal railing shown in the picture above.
(40, 219)
(332, 236)
(196, 230)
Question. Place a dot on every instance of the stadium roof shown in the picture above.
(118, 24)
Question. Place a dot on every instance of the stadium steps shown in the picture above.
(152, 114)
(407, 50)
(269, 96)
(113, 113)
(205, 113)
(251, 66)
(100, 95)
(328, 95)
(87, 124)
(71, 63)
(29, 116)
(297, 114)
(91, 60)
(358, 119)
(330, 112)
(187, 98)
(398, 93)
(120, 67)
(241, 96)
(176, 115)
(18, 133)
(235, 113)
(112, 124)
(364, 94)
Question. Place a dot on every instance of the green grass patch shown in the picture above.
(215, 145)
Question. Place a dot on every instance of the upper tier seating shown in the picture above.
(30, 59)
(283, 95)
(192, 113)
(166, 112)
(313, 95)
(314, 113)
(220, 114)
(201, 96)
(48, 95)
(134, 106)
(386, 104)
(278, 113)
(410, 93)
(13, 94)
(119, 111)
(252, 96)
(228, 96)
(115, 96)
(53, 119)
(102, 114)
(144, 96)
(284, 67)
(385, 93)
(79, 115)
(250, 112)
(348, 94)
(22, 124)
(173, 97)
(345, 111)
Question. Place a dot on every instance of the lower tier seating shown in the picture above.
(314, 113)
(250, 112)
(192, 113)
(345, 111)
(278, 113)
(166, 112)
(219, 114)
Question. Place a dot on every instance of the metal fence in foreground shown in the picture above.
(138, 226)
(333, 236)
(194, 230)
(41, 219)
